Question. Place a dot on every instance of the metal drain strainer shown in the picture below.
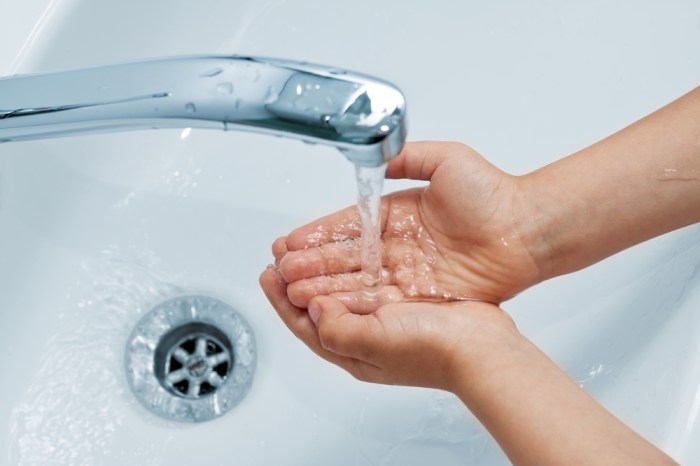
(191, 359)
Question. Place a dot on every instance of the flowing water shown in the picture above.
(75, 410)
(370, 182)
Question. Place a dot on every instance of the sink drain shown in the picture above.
(191, 359)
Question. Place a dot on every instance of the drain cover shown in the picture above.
(191, 359)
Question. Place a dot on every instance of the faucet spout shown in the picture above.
(362, 116)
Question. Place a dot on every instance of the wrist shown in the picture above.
(615, 193)
(489, 345)
(537, 225)
(561, 224)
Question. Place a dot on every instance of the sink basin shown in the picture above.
(96, 230)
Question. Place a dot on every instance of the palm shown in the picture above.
(453, 240)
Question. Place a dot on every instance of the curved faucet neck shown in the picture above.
(363, 117)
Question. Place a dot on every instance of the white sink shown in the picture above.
(96, 230)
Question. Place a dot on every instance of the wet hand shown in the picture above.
(459, 238)
(418, 344)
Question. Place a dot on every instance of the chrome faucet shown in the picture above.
(361, 116)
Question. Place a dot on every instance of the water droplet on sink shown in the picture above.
(225, 88)
(191, 108)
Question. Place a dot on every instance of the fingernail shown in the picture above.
(314, 312)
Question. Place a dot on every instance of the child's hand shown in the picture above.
(462, 237)
(418, 344)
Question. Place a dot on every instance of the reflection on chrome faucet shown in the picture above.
(362, 116)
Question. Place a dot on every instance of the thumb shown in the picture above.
(419, 160)
(343, 332)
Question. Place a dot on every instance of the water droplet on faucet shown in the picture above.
(211, 73)
(272, 95)
(191, 108)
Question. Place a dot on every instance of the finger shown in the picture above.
(345, 333)
(338, 226)
(419, 160)
(301, 292)
(298, 321)
(295, 318)
(367, 302)
(279, 248)
(326, 259)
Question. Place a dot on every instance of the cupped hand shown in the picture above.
(419, 344)
(463, 237)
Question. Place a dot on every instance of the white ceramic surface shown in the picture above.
(96, 230)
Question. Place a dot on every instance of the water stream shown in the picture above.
(370, 182)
